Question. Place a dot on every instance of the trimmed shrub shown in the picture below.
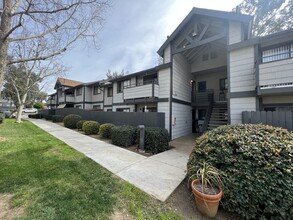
(39, 105)
(79, 124)
(156, 140)
(90, 127)
(71, 120)
(257, 163)
(48, 117)
(105, 130)
(123, 136)
(38, 116)
(57, 118)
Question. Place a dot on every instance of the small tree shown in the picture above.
(114, 75)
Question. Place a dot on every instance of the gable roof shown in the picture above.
(233, 16)
(67, 82)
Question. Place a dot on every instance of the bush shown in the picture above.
(105, 130)
(90, 127)
(48, 117)
(2, 118)
(57, 118)
(38, 116)
(123, 136)
(39, 105)
(79, 124)
(71, 120)
(156, 140)
(257, 163)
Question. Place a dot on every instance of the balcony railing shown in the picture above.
(141, 91)
(207, 97)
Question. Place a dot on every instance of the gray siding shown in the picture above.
(181, 120)
(164, 108)
(234, 32)
(164, 81)
(167, 54)
(242, 73)
(276, 72)
(238, 105)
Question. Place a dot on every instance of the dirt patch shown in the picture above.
(6, 211)
(121, 215)
(182, 201)
(2, 139)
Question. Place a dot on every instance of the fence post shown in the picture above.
(141, 138)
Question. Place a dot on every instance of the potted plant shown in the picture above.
(207, 189)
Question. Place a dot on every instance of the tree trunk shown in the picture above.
(5, 26)
(20, 108)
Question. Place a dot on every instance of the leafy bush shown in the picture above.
(39, 105)
(123, 136)
(156, 140)
(57, 118)
(79, 124)
(71, 120)
(48, 117)
(105, 130)
(90, 127)
(257, 162)
(2, 118)
(39, 116)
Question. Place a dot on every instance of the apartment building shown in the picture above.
(213, 70)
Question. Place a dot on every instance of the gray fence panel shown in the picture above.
(149, 119)
(277, 118)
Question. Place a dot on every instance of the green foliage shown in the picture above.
(39, 105)
(48, 117)
(257, 162)
(57, 118)
(123, 136)
(156, 140)
(79, 124)
(269, 15)
(2, 118)
(71, 120)
(90, 127)
(38, 116)
(105, 130)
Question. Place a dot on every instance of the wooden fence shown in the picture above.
(282, 119)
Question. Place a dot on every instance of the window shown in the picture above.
(96, 106)
(201, 86)
(150, 79)
(122, 109)
(223, 84)
(97, 90)
(127, 83)
(278, 53)
(110, 92)
(119, 87)
(78, 106)
(78, 91)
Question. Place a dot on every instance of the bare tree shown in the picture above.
(33, 72)
(50, 27)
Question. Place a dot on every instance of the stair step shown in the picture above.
(218, 122)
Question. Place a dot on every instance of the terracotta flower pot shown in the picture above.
(205, 203)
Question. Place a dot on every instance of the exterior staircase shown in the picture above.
(219, 115)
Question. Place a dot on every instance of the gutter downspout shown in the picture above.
(171, 92)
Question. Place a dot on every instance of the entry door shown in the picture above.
(201, 86)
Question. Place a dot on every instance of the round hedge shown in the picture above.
(71, 120)
(123, 136)
(79, 124)
(257, 163)
(156, 140)
(105, 130)
(91, 127)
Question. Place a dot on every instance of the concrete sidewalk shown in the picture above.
(158, 175)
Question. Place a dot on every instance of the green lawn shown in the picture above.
(50, 180)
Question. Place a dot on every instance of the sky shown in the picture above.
(131, 35)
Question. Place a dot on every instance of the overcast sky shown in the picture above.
(132, 33)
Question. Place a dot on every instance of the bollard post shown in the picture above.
(141, 138)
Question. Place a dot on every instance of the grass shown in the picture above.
(50, 180)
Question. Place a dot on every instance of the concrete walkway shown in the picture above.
(158, 175)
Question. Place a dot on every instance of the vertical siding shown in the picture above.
(164, 82)
(238, 105)
(234, 32)
(181, 78)
(164, 107)
(107, 100)
(167, 54)
(117, 97)
(88, 94)
(181, 120)
(242, 73)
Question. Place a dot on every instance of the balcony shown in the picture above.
(276, 77)
(204, 99)
(142, 91)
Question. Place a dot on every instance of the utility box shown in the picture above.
(141, 137)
